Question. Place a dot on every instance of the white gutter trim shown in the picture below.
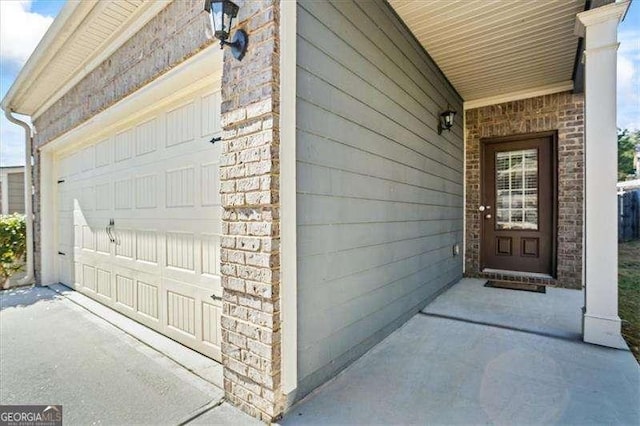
(522, 94)
(28, 195)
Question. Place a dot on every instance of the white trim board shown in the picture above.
(288, 224)
(522, 94)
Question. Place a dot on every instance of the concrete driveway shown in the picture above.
(481, 355)
(52, 351)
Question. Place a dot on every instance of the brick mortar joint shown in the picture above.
(250, 206)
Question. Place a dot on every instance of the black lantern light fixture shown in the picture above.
(221, 13)
(446, 120)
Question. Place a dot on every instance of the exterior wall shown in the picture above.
(563, 112)
(249, 175)
(379, 192)
(178, 32)
(16, 192)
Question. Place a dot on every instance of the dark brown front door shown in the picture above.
(517, 214)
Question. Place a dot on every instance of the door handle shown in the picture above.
(109, 231)
(488, 216)
(483, 208)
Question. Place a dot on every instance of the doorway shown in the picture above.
(518, 204)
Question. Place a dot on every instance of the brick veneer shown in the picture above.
(249, 175)
(563, 112)
(178, 32)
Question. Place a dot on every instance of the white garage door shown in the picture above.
(155, 181)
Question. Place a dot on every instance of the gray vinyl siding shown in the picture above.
(379, 192)
(16, 192)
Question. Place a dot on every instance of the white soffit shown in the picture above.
(488, 48)
(86, 33)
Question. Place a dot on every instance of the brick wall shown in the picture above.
(249, 176)
(563, 112)
(179, 31)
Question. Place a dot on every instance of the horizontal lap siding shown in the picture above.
(379, 191)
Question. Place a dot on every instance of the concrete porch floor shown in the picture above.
(502, 357)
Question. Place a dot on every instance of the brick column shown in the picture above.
(250, 256)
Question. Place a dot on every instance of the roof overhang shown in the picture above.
(82, 36)
(494, 50)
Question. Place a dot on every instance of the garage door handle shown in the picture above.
(214, 297)
(109, 229)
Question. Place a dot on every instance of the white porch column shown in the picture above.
(601, 324)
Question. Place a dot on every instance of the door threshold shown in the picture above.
(517, 273)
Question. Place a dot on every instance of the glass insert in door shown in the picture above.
(517, 189)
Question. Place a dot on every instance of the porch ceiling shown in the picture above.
(490, 48)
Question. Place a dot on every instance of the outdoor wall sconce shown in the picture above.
(221, 13)
(446, 120)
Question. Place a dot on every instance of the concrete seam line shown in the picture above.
(504, 327)
(200, 411)
(189, 369)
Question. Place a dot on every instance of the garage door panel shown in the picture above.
(210, 184)
(193, 317)
(148, 299)
(123, 193)
(125, 292)
(210, 254)
(104, 284)
(104, 153)
(157, 180)
(137, 293)
(148, 250)
(146, 191)
(103, 242)
(180, 125)
(92, 258)
(104, 196)
(125, 243)
(88, 277)
(211, 329)
(210, 113)
(148, 136)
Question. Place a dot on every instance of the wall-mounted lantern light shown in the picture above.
(221, 13)
(446, 120)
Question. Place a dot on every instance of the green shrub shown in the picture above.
(13, 245)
